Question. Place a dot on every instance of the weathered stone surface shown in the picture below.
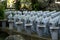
(14, 37)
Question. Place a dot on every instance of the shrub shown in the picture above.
(2, 14)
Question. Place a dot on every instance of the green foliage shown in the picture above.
(36, 6)
(1, 12)
(2, 8)
(4, 3)
(17, 4)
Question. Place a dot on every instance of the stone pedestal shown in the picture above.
(54, 32)
(23, 24)
(10, 24)
(28, 28)
(47, 30)
(34, 25)
(40, 29)
(3, 24)
(19, 26)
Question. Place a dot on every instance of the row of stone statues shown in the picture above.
(43, 23)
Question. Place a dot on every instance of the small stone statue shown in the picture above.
(10, 17)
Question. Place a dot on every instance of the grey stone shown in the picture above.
(19, 26)
(10, 24)
(54, 32)
(3, 24)
(14, 37)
